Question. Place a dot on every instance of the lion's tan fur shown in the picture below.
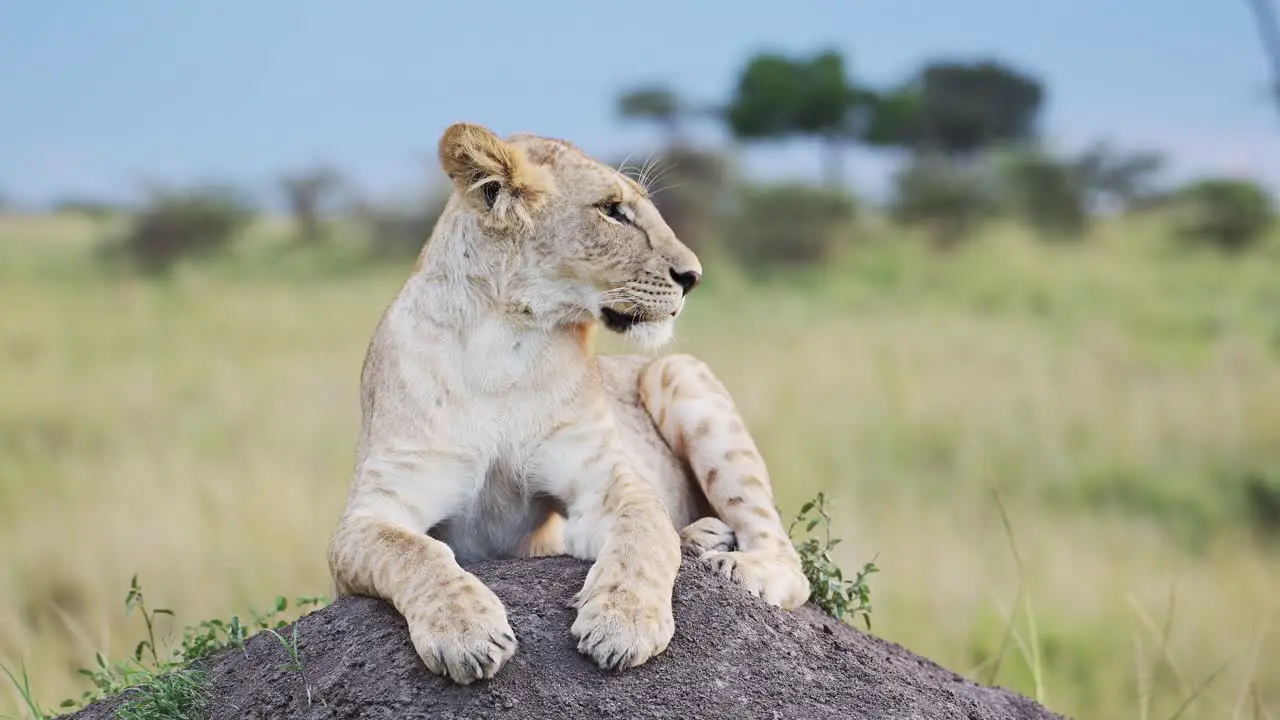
(490, 428)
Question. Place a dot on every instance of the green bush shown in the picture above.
(1046, 193)
(91, 209)
(947, 197)
(1261, 496)
(788, 225)
(184, 223)
(1227, 213)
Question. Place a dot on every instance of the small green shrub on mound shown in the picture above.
(829, 588)
(171, 684)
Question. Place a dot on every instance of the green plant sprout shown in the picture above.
(829, 589)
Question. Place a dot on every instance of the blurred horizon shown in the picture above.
(241, 93)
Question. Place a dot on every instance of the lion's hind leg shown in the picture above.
(547, 539)
(708, 534)
(697, 417)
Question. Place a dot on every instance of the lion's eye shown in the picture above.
(616, 212)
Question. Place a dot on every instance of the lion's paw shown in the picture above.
(708, 534)
(464, 635)
(621, 623)
(775, 578)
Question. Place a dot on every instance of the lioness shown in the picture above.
(490, 428)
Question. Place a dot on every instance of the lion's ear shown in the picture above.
(494, 176)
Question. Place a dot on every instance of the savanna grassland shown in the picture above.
(1118, 399)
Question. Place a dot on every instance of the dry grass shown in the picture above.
(199, 434)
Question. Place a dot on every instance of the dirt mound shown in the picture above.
(732, 657)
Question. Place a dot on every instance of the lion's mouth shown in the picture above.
(619, 321)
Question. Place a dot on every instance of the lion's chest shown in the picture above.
(492, 401)
(501, 441)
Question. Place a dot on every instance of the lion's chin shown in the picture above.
(648, 334)
(651, 335)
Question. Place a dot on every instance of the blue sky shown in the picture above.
(98, 99)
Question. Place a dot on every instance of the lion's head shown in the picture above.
(564, 236)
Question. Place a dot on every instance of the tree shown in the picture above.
(778, 97)
(891, 118)
(1119, 179)
(1269, 30)
(306, 192)
(657, 104)
(958, 109)
(944, 117)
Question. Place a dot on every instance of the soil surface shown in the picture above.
(732, 657)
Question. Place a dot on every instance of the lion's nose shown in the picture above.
(687, 280)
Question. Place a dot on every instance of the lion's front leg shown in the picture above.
(618, 520)
(380, 549)
(624, 607)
